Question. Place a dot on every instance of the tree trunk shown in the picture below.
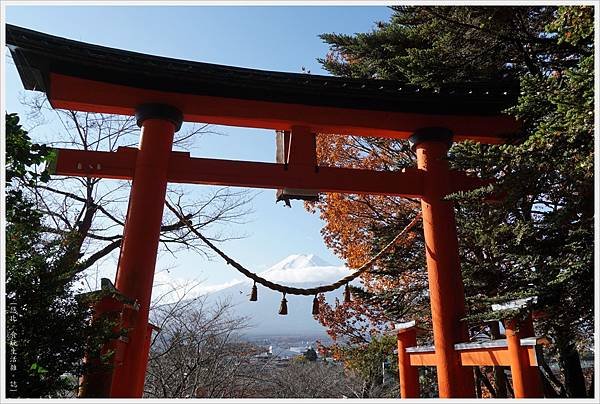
(477, 383)
(549, 391)
(500, 379)
(570, 364)
(482, 378)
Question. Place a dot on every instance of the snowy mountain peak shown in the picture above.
(297, 261)
(304, 268)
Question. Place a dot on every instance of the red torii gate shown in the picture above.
(519, 350)
(164, 92)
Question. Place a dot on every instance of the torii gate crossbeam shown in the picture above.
(187, 170)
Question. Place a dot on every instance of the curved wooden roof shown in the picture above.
(61, 67)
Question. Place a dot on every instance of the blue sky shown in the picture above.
(271, 38)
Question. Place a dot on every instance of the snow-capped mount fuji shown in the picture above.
(308, 269)
(298, 270)
(299, 261)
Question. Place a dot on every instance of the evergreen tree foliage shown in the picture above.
(538, 240)
(46, 326)
(310, 355)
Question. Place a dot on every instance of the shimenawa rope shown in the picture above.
(288, 289)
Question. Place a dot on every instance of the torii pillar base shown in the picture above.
(446, 290)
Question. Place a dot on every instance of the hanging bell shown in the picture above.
(347, 298)
(315, 308)
(254, 293)
(283, 307)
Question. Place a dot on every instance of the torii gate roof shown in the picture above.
(86, 77)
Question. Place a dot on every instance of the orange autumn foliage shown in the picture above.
(350, 224)
(354, 320)
(350, 218)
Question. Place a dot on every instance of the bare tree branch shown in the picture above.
(92, 211)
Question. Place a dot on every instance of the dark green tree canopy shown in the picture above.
(433, 45)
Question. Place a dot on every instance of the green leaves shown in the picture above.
(21, 155)
(574, 25)
(38, 369)
(46, 327)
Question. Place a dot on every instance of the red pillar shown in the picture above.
(517, 365)
(135, 273)
(525, 378)
(409, 375)
(446, 290)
